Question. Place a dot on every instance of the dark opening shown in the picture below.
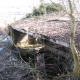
(51, 65)
(55, 64)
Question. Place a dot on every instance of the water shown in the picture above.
(16, 9)
(9, 13)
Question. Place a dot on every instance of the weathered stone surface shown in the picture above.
(18, 35)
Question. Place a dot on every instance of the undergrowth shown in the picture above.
(45, 9)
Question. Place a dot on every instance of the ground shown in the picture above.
(11, 65)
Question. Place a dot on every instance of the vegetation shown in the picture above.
(53, 7)
(72, 42)
(49, 8)
(45, 9)
(28, 15)
(41, 64)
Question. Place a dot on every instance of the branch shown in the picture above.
(72, 42)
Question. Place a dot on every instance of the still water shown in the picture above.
(9, 13)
